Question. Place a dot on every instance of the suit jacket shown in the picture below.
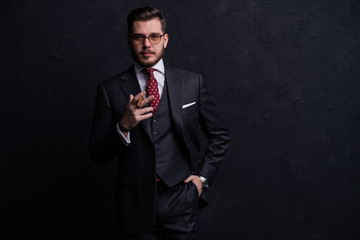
(191, 107)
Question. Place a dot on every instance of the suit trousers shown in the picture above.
(177, 214)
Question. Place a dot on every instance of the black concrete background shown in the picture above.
(285, 73)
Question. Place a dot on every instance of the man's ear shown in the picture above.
(166, 39)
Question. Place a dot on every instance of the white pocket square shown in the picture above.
(188, 105)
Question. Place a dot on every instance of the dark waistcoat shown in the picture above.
(172, 165)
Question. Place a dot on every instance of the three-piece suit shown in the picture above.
(165, 146)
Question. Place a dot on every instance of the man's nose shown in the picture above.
(146, 42)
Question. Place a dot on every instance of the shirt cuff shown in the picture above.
(126, 140)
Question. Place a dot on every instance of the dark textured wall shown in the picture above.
(285, 73)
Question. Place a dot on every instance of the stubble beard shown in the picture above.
(140, 61)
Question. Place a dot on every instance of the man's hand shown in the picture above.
(196, 180)
(133, 115)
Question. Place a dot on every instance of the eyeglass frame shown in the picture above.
(144, 37)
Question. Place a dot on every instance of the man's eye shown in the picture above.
(154, 37)
(137, 36)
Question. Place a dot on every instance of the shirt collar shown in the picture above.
(159, 66)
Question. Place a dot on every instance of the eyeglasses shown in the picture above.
(153, 38)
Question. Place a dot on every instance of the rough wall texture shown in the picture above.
(285, 73)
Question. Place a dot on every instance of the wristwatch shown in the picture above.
(204, 181)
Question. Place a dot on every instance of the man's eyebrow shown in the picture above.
(153, 33)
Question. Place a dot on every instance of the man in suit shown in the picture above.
(148, 118)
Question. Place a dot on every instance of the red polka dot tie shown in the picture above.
(152, 88)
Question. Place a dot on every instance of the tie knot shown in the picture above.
(149, 71)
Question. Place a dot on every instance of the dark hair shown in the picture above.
(145, 14)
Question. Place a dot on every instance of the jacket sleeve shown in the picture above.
(218, 136)
(105, 140)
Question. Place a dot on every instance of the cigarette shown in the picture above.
(138, 103)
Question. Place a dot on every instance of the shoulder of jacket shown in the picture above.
(180, 71)
(115, 79)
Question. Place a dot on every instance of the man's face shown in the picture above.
(145, 53)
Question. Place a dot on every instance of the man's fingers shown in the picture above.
(138, 96)
(143, 102)
(143, 113)
(189, 179)
(145, 110)
(147, 100)
(131, 98)
(139, 100)
(145, 116)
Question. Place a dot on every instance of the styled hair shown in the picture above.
(145, 14)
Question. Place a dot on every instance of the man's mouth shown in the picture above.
(147, 54)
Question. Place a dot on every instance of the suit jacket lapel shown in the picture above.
(175, 86)
(130, 85)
